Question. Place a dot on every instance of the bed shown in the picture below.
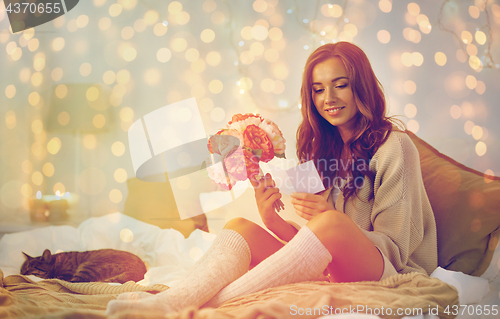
(466, 285)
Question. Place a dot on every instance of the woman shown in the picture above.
(375, 221)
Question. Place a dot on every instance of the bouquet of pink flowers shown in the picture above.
(247, 140)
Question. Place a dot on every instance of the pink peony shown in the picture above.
(224, 141)
(275, 135)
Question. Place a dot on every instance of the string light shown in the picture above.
(466, 37)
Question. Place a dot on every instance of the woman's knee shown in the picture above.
(330, 222)
(239, 223)
(261, 243)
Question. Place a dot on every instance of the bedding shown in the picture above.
(169, 256)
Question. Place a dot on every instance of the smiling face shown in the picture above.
(333, 97)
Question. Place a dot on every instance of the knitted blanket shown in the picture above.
(394, 297)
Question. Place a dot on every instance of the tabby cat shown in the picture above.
(106, 265)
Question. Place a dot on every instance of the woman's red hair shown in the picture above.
(318, 140)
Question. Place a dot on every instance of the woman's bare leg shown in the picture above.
(262, 244)
(354, 257)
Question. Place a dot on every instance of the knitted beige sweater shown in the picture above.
(399, 220)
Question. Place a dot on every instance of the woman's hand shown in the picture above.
(266, 194)
(308, 205)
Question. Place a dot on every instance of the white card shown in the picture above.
(303, 178)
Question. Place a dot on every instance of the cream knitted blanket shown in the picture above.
(394, 297)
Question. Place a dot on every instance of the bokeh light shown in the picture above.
(85, 69)
(37, 126)
(48, 169)
(36, 79)
(410, 87)
(474, 12)
(59, 188)
(213, 58)
(413, 8)
(259, 33)
(10, 119)
(163, 55)
(481, 148)
(217, 17)
(207, 35)
(82, 21)
(160, 29)
(174, 7)
(440, 58)
(115, 196)
(151, 16)
(480, 87)
(109, 77)
(413, 126)
(480, 37)
(410, 110)
(178, 44)
(271, 55)
(417, 58)
(384, 36)
(37, 178)
(275, 34)
(34, 98)
(89, 141)
(10, 91)
(92, 94)
(217, 114)
(115, 10)
(61, 91)
(118, 148)
(466, 37)
(58, 44)
(126, 235)
(215, 86)
(468, 126)
(206, 105)
(63, 118)
(488, 176)
(129, 54)
(140, 25)
(385, 6)
(99, 121)
(54, 145)
(27, 166)
(126, 114)
(127, 33)
(455, 111)
(471, 82)
(57, 74)
(477, 132)
(33, 45)
(192, 55)
(209, 6)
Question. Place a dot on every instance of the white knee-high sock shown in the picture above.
(227, 259)
(304, 258)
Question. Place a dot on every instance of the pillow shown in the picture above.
(466, 205)
(154, 203)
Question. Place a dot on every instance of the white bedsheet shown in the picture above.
(166, 252)
(169, 256)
